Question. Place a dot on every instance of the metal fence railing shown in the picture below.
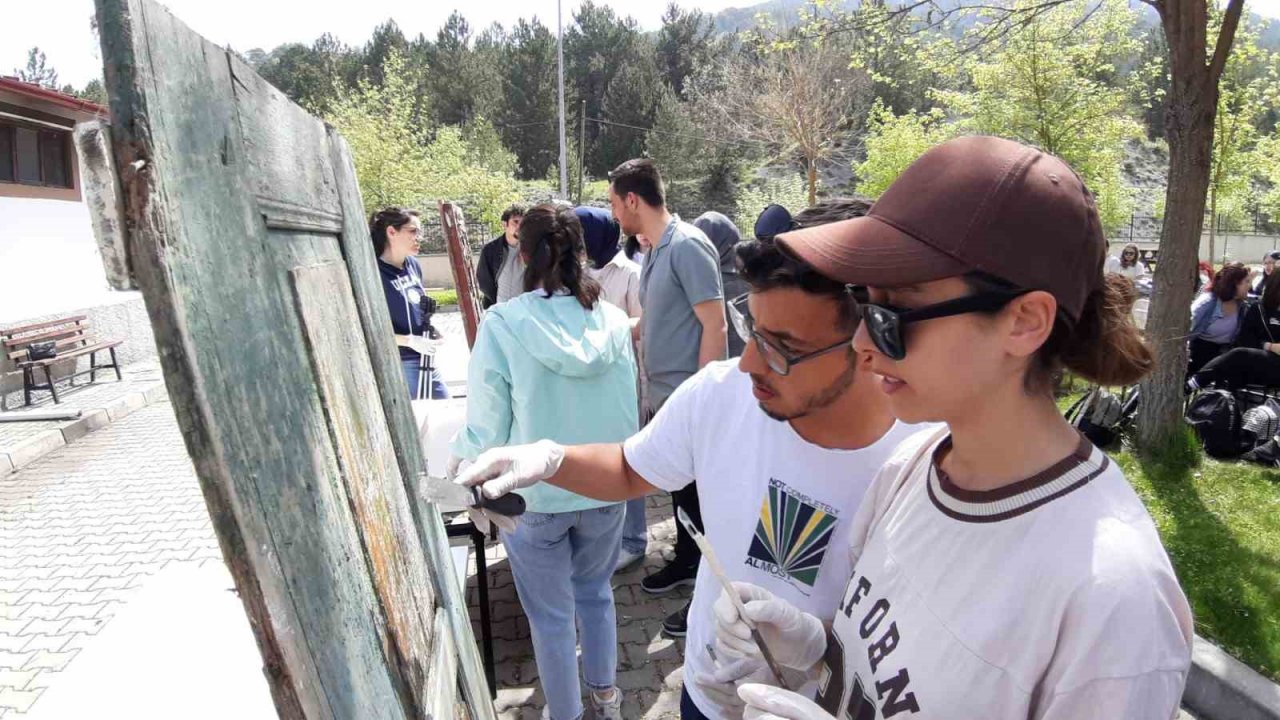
(1145, 229)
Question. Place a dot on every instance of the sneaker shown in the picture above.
(626, 560)
(669, 578)
(677, 623)
(610, 709)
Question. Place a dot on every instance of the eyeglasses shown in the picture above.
(776, 358)
(414, 231)
(774, 220)
(885, 323)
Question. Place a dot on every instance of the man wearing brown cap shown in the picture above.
(1004, 567)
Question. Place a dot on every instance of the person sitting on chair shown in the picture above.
(1255, 360)
(1215, 316)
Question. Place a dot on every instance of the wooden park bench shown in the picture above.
(71, 339)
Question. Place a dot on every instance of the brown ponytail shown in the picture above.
(555, 254)
(1104, 346)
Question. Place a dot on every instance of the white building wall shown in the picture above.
(49, 260)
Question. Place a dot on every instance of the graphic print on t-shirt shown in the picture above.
(791, 536)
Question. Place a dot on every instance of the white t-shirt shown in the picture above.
(776, 509)
(1050, 599)
(1133, 272)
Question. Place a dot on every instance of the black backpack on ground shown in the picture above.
(1216, 417)
(1101, 415)
(1268, 453)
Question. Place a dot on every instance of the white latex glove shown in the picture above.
(770, 703)
(797, 639)
(506, 469)
(452, 468)
(482, 519)
(721, 686)
(421, 345)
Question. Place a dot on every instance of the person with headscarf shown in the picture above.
(722, 233)
(609, 265)
(619, 279)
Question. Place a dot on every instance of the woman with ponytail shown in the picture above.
(556, 364)
(1004, 568)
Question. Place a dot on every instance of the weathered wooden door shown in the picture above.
(245, 232)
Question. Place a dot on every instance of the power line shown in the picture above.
(703, 138)
(602, 121)
(520, 125)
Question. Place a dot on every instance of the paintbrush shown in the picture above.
(717, 569)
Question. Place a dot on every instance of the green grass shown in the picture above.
(444, 297)
(1220, 523)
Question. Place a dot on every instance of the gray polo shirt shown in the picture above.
(682, 270)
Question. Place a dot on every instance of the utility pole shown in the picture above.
(564, 170)
(582, 147)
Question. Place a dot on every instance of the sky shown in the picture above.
(245, 24)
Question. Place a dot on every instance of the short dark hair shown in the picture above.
(639, 176)
(395, 217)
(833, 210)
(514, 210)
(1273, 255)
(764, 265)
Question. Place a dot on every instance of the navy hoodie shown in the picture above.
(404, 291)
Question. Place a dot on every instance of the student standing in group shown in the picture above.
(555, 364)
(1004, 567)
(683, 328)
(619, 279)
(724, 235)
(500, 272)
(395, 233)
(783, 443)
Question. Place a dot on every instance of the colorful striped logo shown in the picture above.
(791, 537)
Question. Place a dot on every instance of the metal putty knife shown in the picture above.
(440, 490)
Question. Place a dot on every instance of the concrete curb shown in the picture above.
(16, 457)
(1220, 687)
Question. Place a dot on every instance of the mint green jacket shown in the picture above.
(546, 368)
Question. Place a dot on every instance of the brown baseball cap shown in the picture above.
(973, 203)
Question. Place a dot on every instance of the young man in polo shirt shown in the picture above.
(783, 442)
(682, 330)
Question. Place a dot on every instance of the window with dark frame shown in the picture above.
(6, 154)
(32, 156)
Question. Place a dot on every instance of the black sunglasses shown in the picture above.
(774, 220)
(885, 323)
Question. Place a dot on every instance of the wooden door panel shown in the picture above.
(245, 232)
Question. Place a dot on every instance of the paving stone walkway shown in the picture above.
(79, 531)
(649, 662)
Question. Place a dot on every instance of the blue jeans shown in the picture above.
(562, 563)
(635, 531)
(688, 710)
(412, 368)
